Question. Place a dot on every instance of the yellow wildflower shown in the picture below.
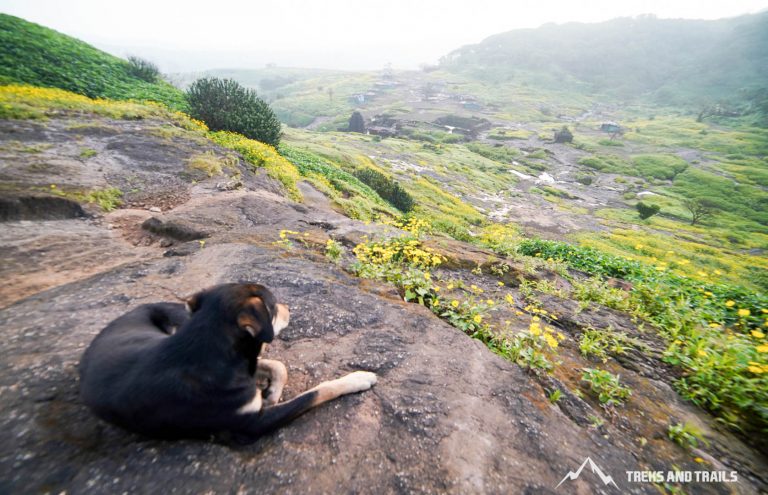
(714, 325)
(729, 304)
(551, 341)
(701, 352)
(755, 369)
(436, 288)
(535, 329)
(698, 459)
(762, 348)
(477, 319)
(560, 336)
(449, 287)
(509, 299)
(744, 312)
(501, 284)
(455, 303)
(489, 302)
(707, 293)
(638, 246)
(757, 334)
(427, 276)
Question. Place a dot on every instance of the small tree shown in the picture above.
(143, 69)
(647, 211)
(388, 189)
(699, 208)
(357, 123)
(224, 105)
(564, 135)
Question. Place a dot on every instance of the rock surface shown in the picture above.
(447, 415)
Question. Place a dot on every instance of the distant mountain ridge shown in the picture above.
(673, 60)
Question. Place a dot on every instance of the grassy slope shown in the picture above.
(39, 56)
(680, 306)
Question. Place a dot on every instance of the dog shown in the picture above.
(166, 370)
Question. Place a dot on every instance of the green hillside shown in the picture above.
(668, 60)
(35, 55)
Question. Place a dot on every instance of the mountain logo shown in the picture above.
(606, 479)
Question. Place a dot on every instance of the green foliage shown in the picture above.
(502, 154)
(387, 188)
(108, 199)
(143, 69)
(260, 155)
(357, 199)
(605, 163)
(585, 179)
(748, 202)
(610, 142)
(610, 392)
(333, 250)
(646, 210)
(686, 435)
(726, 371)
(86, 153)
(658, 166)
(211, 164)
(595, 289)
(27, 102)
(600, 343)
(39, 56)
(224, 105)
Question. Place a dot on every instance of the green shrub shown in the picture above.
(224, 105)
(143, 69)
(387, 188)
(647, 211)
(503, 154)
(584, 179)
(659, 166)
(686, 435)
(610, 392)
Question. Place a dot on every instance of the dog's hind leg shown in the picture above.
(277, 375)
(275, 416)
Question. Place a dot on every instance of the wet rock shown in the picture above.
(447, 415)
(39, 208)
(172, 230)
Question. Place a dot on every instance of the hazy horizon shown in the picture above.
(341, 35)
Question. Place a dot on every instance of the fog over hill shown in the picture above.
(670, 59)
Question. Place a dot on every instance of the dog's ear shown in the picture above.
(254, 319)
(194, 302)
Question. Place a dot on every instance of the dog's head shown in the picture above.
(251, 307)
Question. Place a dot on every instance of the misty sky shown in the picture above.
(340, 34)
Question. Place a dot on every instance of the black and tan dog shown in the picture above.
(170, 371)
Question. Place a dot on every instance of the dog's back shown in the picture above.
(121, 353)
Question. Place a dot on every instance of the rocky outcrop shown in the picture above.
(447, 415)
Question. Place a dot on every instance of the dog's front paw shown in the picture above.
(359, 381)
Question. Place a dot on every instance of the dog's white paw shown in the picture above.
(358, 381)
